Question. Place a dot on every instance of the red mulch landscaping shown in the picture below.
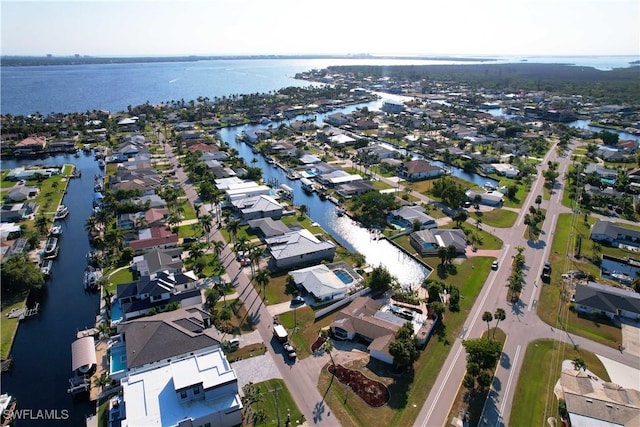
(317, 344)
(373, 392)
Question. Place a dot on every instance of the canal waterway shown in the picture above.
(349, 233)
(41, 351)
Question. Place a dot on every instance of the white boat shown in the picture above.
(102, 164)
(7, 407)
(46, 267)
(61, 213)
(51, 248)
(307, 185)
(340, 210)
(270, 160)
(293, 175)
(56, 230)
(91, 278)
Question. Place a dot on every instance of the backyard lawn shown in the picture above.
(500, 218)
(276, 403)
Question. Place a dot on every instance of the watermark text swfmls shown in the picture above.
(36, 414)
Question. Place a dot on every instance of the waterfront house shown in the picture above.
(407, 216)
(157, 260)
(156, 340)
(489, 198)
(337, 177)
(219, 156)
(595, 298)
(244, 189)
(261, 206)
(377, 324)
(29, 145)
(428, 242)
(156, 292)
(322, 282)
(196, 390)
(355, 188)
(22, 173)
(391, 106)
(267, 227)
(298, 248)
(374, 153)
(415, 170)
(155, 237)
(337, 119)
(614, 235)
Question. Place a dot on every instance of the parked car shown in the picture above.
(494, 265)
(291, 352)
(297, 300)
(546, 272)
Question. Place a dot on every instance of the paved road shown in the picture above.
(301, 378)
(522, 325)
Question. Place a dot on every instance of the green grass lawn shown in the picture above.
(118, 278)
(534, 400)
(550, 303)
(501, 218)
(276, 413)
(521, 195)
(8, 327)
(408, 391)
(189, 212)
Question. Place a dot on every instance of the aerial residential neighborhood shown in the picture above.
(382, 250)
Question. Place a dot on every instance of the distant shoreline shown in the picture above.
(17, 61)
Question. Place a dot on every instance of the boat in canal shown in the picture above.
(55, 231)
(7, 407)
(61, 213)
(307, 185)
(51, 248)
(45, 267)
(91, 277)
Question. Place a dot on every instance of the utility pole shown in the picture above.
(274, 392)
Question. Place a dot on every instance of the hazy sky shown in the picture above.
(210, 27)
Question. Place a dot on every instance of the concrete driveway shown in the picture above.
(631, 336)
(255, 369)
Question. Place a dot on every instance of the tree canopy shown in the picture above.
(19, 274)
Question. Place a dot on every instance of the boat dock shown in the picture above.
(24, 312)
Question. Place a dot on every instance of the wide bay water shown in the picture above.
(114, 87)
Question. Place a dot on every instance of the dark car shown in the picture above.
(297, 300)
(546, 272)
(291, 352)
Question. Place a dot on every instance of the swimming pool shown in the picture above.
(397, 224)
(116, 312)
(344, 276)
(118, 358)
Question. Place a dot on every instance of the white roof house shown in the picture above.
(261, 206)
(321, 282)
(202, 389)
(298, 248)
(246, 189)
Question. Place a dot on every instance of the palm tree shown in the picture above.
(303, 210)
(487, 317)
(211, 295)
(218, 245)
(232, 228)
(102, 381)
(241, 246)
(443, 254)
(205, 223)
(327, 346)
(255, 252)
(262, 278)
(499, 316)
(42, 223)
(578, 364)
